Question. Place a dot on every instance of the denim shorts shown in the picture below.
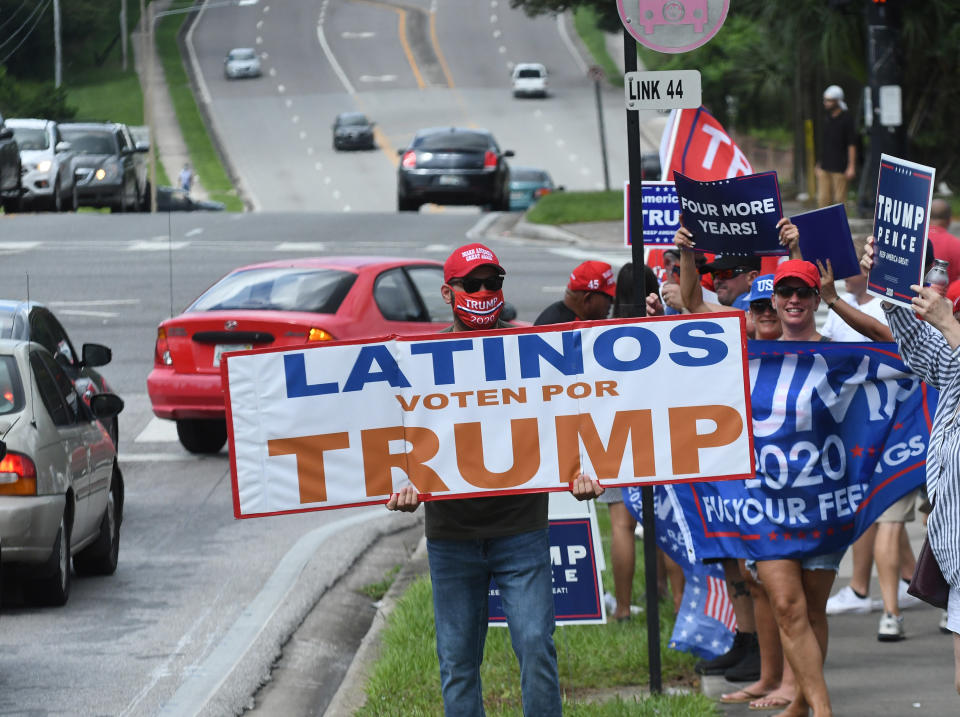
(827, 561)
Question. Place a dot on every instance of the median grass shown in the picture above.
(203, 155)
(573, 207)
(603, 668)
(585, 23)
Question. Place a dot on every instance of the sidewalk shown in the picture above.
(171, 149)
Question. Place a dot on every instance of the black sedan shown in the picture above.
(453, 165)
(352, 130)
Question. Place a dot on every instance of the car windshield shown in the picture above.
(454, 142)
(31, 138)
(85, 141)
(242, 54)
(519, 174)
(529, 73)
(11, 388)
(351, 120)
(278, 289)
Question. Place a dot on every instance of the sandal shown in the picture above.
(770, 702)
(741, 696)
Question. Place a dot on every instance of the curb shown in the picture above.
(351, 696)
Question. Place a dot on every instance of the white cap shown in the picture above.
(835, 92)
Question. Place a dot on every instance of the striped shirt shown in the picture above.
(927, 353)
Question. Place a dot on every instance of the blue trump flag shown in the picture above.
(840, 434)
(705, 622)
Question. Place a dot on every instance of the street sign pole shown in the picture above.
(635, 207)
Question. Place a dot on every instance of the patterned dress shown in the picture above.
(927, 353)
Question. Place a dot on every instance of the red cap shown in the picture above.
(800, 269)
(956, 305)
(593, 276)
(953, 289)
(467, 258)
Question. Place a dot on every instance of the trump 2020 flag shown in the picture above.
(705, 623)
(840, 433)
(696, 145)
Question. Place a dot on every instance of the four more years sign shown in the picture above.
(629, 401)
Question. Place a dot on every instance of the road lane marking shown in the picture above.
(436, 47)
(89, 314)
(127, 458)
(158, 430)
(571, 48)
(94, 302)
(364, 35)
(311, 246)
(194, 232)
(18, 245)
(148, 245)
(322, 39)
(378, 78)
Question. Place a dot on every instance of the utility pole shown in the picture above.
(57, 50)
(123, 32)
(883, 113)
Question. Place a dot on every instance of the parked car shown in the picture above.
(107, 168)
(529, 80)
(11, 187)
(62, 491)
(282, 303)
(527, 185)
(47, 164)
(32, 321)
(241, 62)
(171, 199)
(352, 130)
(453, 165)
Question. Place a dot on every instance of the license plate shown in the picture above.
(451, 180)
(221, 349)
(518, 195)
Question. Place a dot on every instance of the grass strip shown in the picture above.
(572, 207)
(203, 155)
(585, 23)
(602, 667)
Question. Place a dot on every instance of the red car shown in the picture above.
(282, 303)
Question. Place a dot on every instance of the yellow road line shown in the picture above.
(402, 31)
(437, 52)
(386, 147)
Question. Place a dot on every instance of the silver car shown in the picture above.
(46, 162)
(241, 62)
(61, 490)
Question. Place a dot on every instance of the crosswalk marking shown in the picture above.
(158, 430)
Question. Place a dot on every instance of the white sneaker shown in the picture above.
(906, 600)
(847, 601)
(610, 602)
(891, 628)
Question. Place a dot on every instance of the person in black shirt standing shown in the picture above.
(588, 296)
(837, 151)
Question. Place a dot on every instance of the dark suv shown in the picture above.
(453, 165)
(107, 169)
(10, 184)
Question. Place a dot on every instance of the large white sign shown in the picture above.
(630, 401)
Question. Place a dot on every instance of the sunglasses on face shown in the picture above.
(761, 305)
(802, 292)
(472, 285)
(725, 274)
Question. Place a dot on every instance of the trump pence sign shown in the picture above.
(629, 401)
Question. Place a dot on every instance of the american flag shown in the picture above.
(718, 604)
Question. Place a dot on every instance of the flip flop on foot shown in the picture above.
(741, 696)
(770, 702)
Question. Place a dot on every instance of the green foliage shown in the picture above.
(570, 207)
(376, 591)
(585, 21)
(23, 99)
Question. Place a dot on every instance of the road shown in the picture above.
(408, 65)
(200, 602)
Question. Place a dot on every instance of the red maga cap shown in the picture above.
(593, 276)
(800, 269)
(467, 258)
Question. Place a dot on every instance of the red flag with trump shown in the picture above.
(696, 145)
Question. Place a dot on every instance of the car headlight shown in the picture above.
(108, 172)
(44, 165)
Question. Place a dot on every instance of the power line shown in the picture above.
(29, 32)
(13, 15)
(38, 10)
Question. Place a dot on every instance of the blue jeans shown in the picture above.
(460, 571)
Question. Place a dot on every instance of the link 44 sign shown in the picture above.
(669, 90)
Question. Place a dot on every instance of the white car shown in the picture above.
(529, 80)
(241, 62)
(47, 164)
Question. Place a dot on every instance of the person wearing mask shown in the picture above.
(588, 296)
(471, 540)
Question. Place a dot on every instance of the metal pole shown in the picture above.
(151, 59)
(123, 32)
(635, 208)
(603, 135)
(57, 49)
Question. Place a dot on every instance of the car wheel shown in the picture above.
(202, 435)
(54, 590)
(11, 205)
(101, 557)
(407, 205)
(74, 203)
(56, 200)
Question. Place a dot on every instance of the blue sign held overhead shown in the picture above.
(733, 216)
(900, 220)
